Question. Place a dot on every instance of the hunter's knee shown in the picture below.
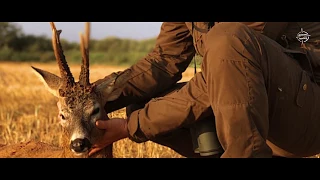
(227, 40)
(224, 38)
(230, 29)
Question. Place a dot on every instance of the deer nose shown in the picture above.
(80, 145)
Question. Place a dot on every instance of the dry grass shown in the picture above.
(28, 111)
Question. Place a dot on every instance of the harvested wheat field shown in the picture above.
(28, 115)
(29, 126)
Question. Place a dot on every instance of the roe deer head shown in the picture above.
(81, 103)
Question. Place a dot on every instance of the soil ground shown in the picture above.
(30, 149)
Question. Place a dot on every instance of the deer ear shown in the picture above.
(51, 81)
(112, 86)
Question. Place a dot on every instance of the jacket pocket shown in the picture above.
(290, 103)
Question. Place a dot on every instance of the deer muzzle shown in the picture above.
(80, 145)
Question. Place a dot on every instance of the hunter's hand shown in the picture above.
(115, 129)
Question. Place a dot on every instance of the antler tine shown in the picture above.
(65, 72)
(87, 39)
(84, 45)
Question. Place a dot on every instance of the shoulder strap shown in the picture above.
(210, 24)
(274, 30)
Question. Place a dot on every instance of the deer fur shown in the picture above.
(81, 103)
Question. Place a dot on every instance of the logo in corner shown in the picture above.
(303, 36)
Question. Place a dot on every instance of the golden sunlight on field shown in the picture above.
(28, 111)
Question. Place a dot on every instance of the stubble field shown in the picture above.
(28, 115)
(29, 127)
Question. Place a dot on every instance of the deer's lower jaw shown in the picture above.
(81, 154)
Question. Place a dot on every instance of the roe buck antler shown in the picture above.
(81, 103)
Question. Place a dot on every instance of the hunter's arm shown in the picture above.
(160, 69)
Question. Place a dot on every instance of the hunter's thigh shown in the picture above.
(293, 99)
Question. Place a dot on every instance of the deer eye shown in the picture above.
(62, 117)
(95, 111)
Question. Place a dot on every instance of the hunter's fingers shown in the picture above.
(94, 150)
(100, 124)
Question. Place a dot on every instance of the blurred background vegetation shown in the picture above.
(15, 46)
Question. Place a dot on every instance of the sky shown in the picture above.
(99, 30)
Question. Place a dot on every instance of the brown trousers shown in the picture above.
(263, 102)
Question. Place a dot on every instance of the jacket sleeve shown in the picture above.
(179, 108)
(159, 69)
